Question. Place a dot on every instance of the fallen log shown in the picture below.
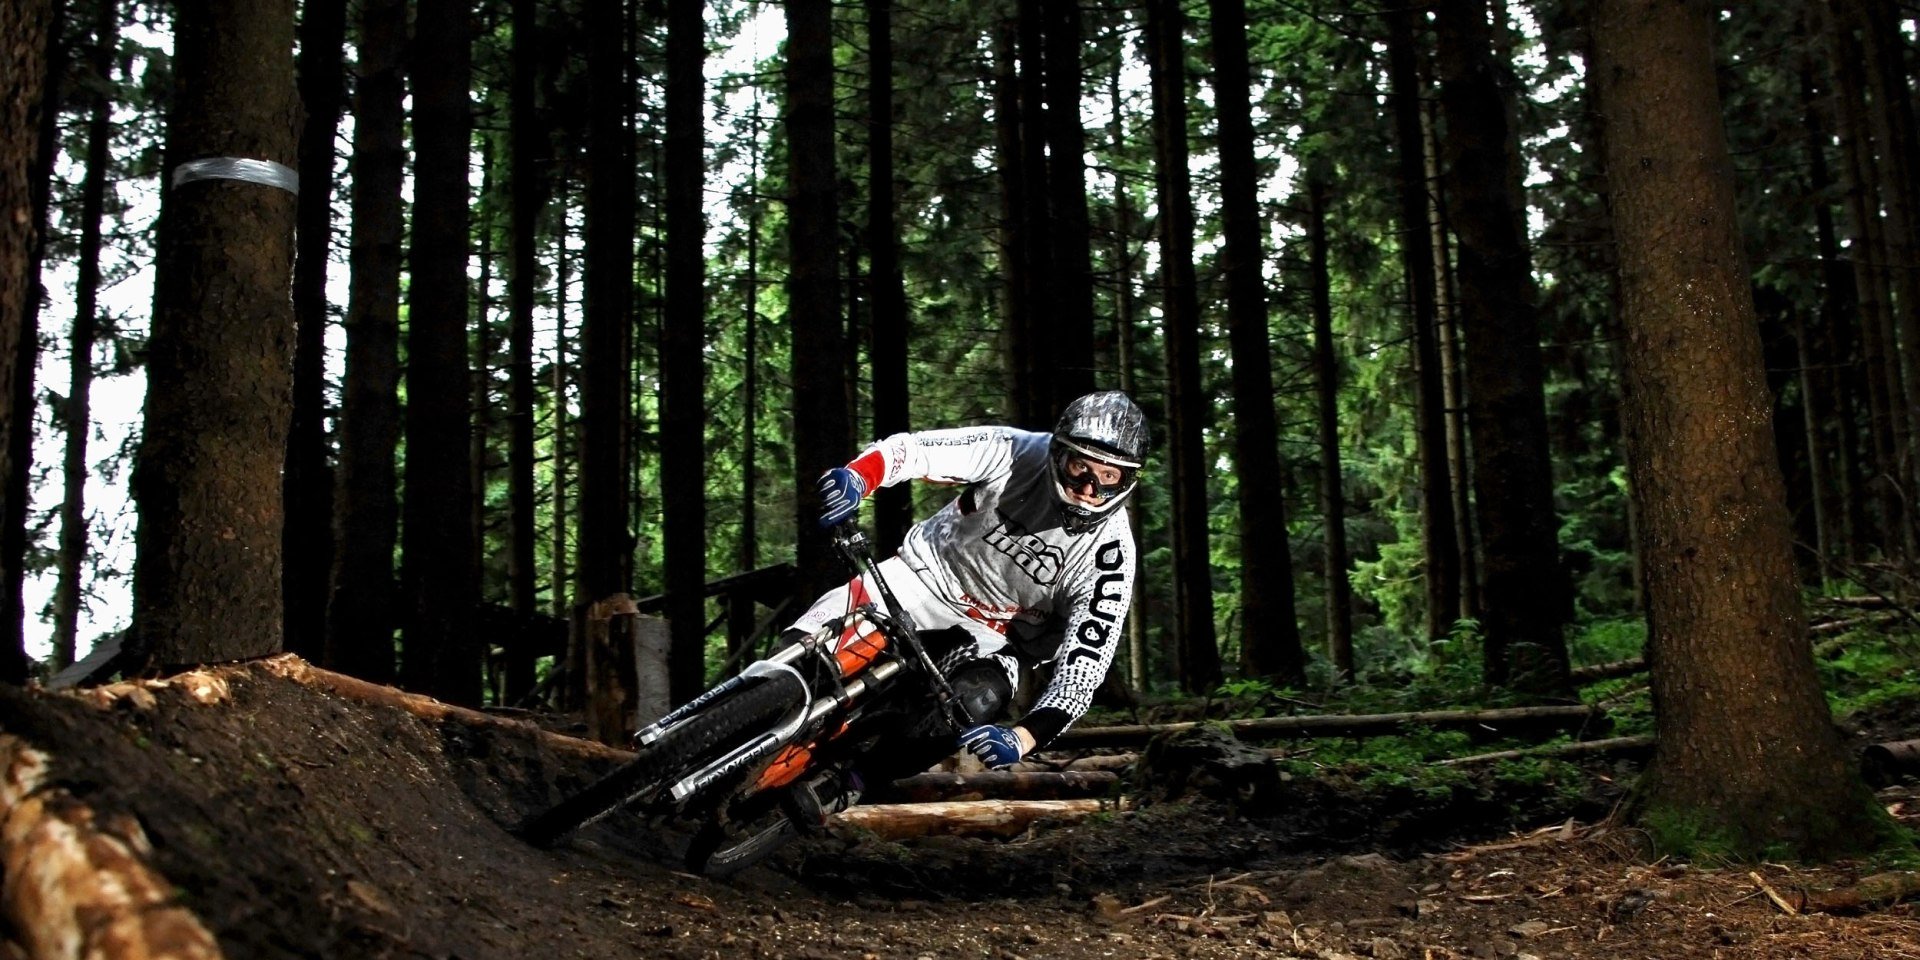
(299, 671)
(1105, 761)
(970, 818)
(1504, 720)
(1872, 893)
(1886, 763)
(1596, 672)
(1003, 785)
(77, 886)
(1581, 748)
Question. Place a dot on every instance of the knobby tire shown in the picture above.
(685, 745)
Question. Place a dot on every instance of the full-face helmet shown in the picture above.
(1098, 447)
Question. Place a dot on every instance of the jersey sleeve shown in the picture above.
(960, 455)
(1097, 604)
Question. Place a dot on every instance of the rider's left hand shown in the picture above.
(997, 747)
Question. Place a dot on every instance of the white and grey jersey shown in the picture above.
(999, 554)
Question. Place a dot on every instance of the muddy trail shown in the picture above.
(273, 817)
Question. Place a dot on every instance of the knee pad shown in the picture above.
(983, 691)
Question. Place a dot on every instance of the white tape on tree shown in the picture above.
(264, 172)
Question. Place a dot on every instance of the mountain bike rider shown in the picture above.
(1033, 562)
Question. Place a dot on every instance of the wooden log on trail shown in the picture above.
(1863, 603)
(1886, 763)
(299, 671)
(1103, 761)
(969, 818)
(1004, 785)
(1508, 720)
(1582, 748)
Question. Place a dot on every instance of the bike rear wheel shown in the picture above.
(684, 746)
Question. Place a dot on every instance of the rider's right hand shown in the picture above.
(840, 493)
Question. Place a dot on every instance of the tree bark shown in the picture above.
(1014, 235)
(1269, 624)
(1124, 338)
(528, 168)
(1439, 545)
(1037, 353)
(219, 358)
(1748, 758)
(560, 578)
(1452, 382)
(1326, 377)
(1199, 655)
(741, 614)
(442, 655)
(892, 507)
(605, 553)
(683, 454)
(80, 341)
(1526, 600)
(1070, 327)
(820, 413)
(969, 818)
(360, 618)
(24, 43)
(308, 482)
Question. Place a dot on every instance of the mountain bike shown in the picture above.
(730, 757)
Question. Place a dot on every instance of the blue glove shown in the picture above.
(997, 747)
(840, 493)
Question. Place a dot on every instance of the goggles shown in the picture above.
(1078, 471)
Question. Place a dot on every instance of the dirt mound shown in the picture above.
(296, 822)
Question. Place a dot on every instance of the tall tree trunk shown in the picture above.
(820, 413)
(1439, 544)
(219, 358)
(360, 613)
(480, 374)
(741, 612)
(1124, 349)
(529, 189)
(605, 543)
(1326, 375)
(25, 27)
(1748, 755)
(1867, 244)
(1891, 118)
(442, 654)
(1199, 653)
(308, 540)
(893, 507)
(1269, 626)
(1032, 410)
(1452, 381)
(1071, 326)
(1015, 235)
(79, 418)
(561, 576)
(1818, 360)
(683, 455)
(1526, 597)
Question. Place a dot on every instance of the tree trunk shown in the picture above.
(1526, 599)
(820, 413)
(1124, 350)
(219, 358)
(1748, 759)
(1452, 382)
(605, 541)
(1326, 377)
(1199, 654)
(1867, 243)
(741, 615)
(1269, 626)
(1015, 236)
(560, 578)
(480, 374)
(683, 454)
(360, 617)
(529, 188)
(1437, 534)
(308, 541)
(1823, 387)
(887, 352)
(442, 655)
(24, 43)
(1071, 324)
(79, 418)
(1032, 410)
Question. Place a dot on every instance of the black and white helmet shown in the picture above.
(1105, 428)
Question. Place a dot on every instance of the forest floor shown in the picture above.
(294, 822)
